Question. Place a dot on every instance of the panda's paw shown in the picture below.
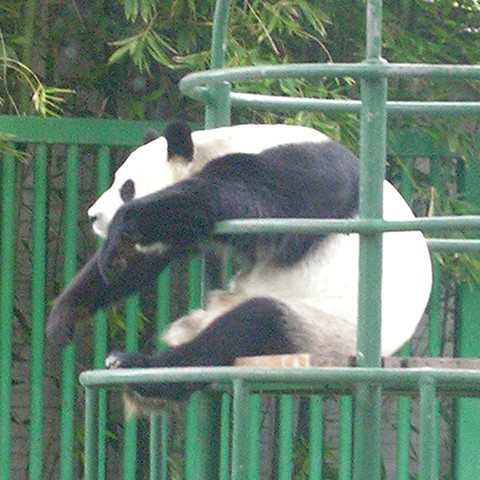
(114, 360)
(124, 360)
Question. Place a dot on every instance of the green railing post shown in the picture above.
(67, 421)
(367, 454)
(218, 106)
(429, 466)
(91, 434)
(467, 416)
(7, 262)
(101, 329)
(130, 423)
(38, 313)
(315, 438)
(240, 439)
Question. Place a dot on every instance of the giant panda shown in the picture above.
(293, 292)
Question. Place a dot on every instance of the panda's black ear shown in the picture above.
(179, 141)
(150, 135)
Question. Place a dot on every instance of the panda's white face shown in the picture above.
(145, 171)
(148, 169)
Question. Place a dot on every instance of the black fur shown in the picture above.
(300, 181)
(127, 192)
(179, 141)
(88, 292)
(291, 181)
(226, 339)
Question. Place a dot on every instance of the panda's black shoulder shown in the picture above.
(321, 157)
(322, 175)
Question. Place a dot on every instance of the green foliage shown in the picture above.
(46, 100)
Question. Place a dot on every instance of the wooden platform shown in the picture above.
(307, 360)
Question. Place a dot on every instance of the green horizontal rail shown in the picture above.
(458, 382)
(454, 245)
(81, 131)
(292, 104)
(194, 84)
(363, 226)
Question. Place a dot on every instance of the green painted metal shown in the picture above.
(315, 439)
(194, 85)
(225, 432)
(338, 380)
(467, 420)
(404, 407)
(203, 413)
(394, 108)
(218, 107)
(7, 264)
(240, 445)
(345, 443)
(285, 437)
(429, 462)
(362, 226)
(77, 131)
(159, 423)
(255, 420)
(373, 152)
(365, 384)
(38, 312)
(101, 327)
(67, 427)
(91, 458)
(130, 424)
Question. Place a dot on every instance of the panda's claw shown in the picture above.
(114, 360)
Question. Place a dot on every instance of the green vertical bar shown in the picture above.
(345, 439)
(224, 454)
(165, 416)
(155, 438)
(91, 436)
(7, 263)
(101, 329)
(367, 455)
(240, 437)
(130, 424)
(38, 312)
(285, 431)
(404, 410)
(201, 439)
(67, 419)
(429, 466)
(467, 410)
(372, 175)
(315, 439)
(218, 109)
(159, 423)
(255, 421)
(404, 407)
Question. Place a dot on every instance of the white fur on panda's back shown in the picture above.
(148, 168)
(322, 290)
(248, 139)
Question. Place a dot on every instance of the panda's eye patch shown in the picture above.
(127, 192)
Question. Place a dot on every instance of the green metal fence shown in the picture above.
(221, 436)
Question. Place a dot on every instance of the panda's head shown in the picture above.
(158, 163)
(162, 161)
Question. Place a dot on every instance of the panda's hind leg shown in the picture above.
(259, 326)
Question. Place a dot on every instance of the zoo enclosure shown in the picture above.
(199, 464)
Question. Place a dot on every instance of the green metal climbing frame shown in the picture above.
(222, 437)
(370, 382)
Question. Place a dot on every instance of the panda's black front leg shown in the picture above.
(172, 221)
(261, 326)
